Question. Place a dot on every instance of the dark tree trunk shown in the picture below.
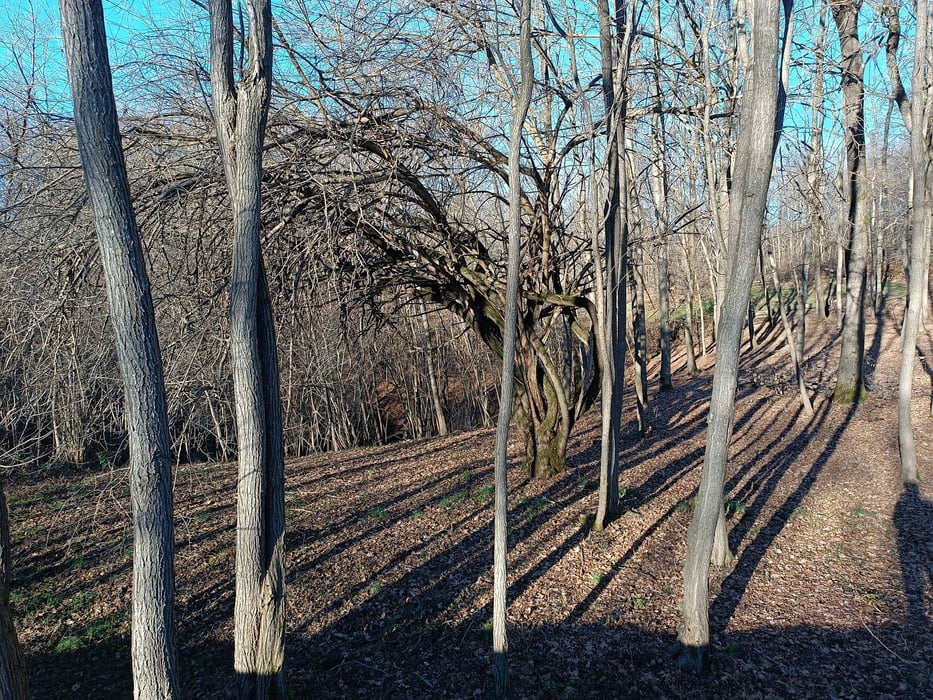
(13, 684)
(137, 344)
(849, 379)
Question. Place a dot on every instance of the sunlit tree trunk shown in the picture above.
(240, 112)
(137, 344)
(522, 101)
(754, 158)
(921, 154)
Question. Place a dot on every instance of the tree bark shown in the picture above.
(849, 378)
(921, 154)
(754, 158)
(137, 345)
(13, 682)
(240, 112)
(612, 324)
(522, 102)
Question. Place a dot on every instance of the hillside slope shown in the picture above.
(389, 555)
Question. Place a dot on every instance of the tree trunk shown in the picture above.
(240, 113)
(137, 344)
(612, 332)
(791, 345)
(522, 101)
(849, 379)
(13, 683)
(754, 158)
(432, 372)
(921, 153)
(640, 343)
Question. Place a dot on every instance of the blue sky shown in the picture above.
(31, 51)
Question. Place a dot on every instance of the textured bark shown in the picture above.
(436, 402)
(611, 322)
(921, 154)
(131, 313)
(522, 101)
(639, 343)
(754, 158)
(240, 112)
(849, 378)
(13, 683)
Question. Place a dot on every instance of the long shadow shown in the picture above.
(734, 586)
(546, 662)
(913, 518)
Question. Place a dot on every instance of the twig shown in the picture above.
(893, 653)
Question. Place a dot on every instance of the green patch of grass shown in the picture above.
(78, 563)
(684, 506)
(374, 587)
(417, 514)
(734, 507)
(483, 493)
(82, 600)
(69, 644)
(467, 476)
(376, 512)
(202, 517)
(536, 507)
(596, 579)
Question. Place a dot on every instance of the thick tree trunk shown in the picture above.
(137, 344)
(240, 112)
(754, 158)
(849, 378)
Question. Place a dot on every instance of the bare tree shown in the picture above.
(611, 284)
(850, 378)
(754, 158)
(521, 103)
(133, 320)
(921, 152)
(240, 114)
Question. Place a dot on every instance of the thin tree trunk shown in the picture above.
(791, 346)
(754, 157)
(522, 101)
(921, 153)
(137, 346)
(432, 372)
(640, 342)
(614, 90)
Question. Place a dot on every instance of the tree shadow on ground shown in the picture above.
(913, 518)
(357, 658)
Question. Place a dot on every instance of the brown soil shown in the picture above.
(389, 554)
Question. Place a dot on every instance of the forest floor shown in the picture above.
(389, 558)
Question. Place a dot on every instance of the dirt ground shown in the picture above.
(389, 558)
